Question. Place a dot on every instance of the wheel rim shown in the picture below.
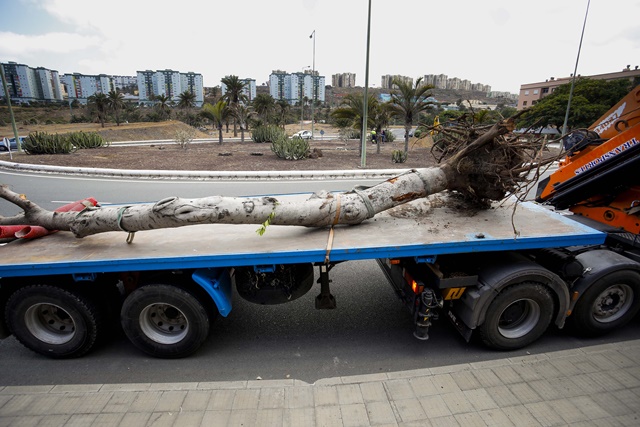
(613, 303)
(50, 323)
(164, 323)
(519, 318)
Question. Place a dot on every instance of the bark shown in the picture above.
(482, 169)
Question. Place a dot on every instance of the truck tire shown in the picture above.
(53, 321)
(607, 304)
(164, 321)
(518, 316)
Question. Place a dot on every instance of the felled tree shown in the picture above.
(487, 165)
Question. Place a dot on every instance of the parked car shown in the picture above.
(304, 134)
(5, 143)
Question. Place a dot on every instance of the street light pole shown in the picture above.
(365, 107)
(300, 97)
(313, 79)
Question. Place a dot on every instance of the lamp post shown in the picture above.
(300, 97)
(313, 79)
(365, 107)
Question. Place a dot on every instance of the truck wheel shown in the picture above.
(164, 321)
(518, 316)
(608, 303)
(53, 321)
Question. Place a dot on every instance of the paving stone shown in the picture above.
(496, 417)
(328, 416)
(119, 402)
(349, 394)
(380, 413)
(80, 420)
(26, 389)
(221, 385)
(373, 392)
(435, 406)
(73, 403)
(408, 410)
(189, 418)
(268, 417)
(354, 415)
(423, 386)
(271, 398)
(125, 387)
(107, 420)
(524, 393)
(162, 419)
(612, 405)
(503, 396)
(76, 388)
(507, 374)
(470, 419)
(567, 410)
(221, 400)
(590, 408)
(457, 402)
(544, 414)
(608, 381)
(625, 378)
(21, 421)
(631, 420)
(549, 390)
(145, 402)
(215, 418)
(449, 421)
(246, 399)
(487, 378)
(444, 383)
(520, 416)
(628, 398)
(466, 380)
(399, 389)
(170, 401)
(298, 397)
(363, 378)
(297, 417)
(480, 399)
(134, 419)
(242, 417)
(196, 400)
(18, 405)
(326, 395)
(450, 369)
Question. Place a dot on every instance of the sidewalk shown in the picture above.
(590, 386)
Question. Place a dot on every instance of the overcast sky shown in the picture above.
(502, 43)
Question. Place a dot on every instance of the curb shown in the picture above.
(204, 175)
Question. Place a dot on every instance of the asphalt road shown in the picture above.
(369, 332)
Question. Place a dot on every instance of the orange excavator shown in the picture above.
(599, 178)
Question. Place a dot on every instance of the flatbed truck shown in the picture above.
(507, 273)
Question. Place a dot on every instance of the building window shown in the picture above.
(535, 91)
(545, 90)
(524, 103)
(526, 92)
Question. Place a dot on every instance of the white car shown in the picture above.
(304, 134)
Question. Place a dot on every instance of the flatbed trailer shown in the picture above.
(508, 273)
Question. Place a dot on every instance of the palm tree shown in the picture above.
(217, 113)
(100, 102)
(187, 100)
(234, 94)
(242, 114)
(408, 103)
(352, 109)
(283, 109)
(116, 104)
(264, 104)
(162, 105)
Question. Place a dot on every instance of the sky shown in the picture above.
(501, 43)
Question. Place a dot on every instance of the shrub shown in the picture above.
(389, 136)
(267, 133)
(184, 137)
(44, 143)
(294, 148)
(398, 156)
(86, 139)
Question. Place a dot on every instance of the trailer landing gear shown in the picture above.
(428, 303)
(325, 301)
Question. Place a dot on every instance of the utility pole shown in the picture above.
(365, 107)
(13, 119)
(313, 79)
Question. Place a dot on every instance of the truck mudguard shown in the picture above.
(217, 283)
(504, 270)
(599, 263)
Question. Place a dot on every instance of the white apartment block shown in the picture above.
(387, 79)
(81, 86)
(249, 89)
(343, 80)
(27, 84)
(123, 82)
(295, 87)
(169, 83)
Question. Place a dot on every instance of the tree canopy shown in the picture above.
(591, 99)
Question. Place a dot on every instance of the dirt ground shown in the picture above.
(230, 156)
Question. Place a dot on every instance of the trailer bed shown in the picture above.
(427, 227)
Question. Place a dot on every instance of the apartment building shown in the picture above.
(81, 86)
(124, 82)
(27, 84)
(387, 79)
(343, 80)
(249, 89)
(169, 83)
(531, 93)
(296, 86)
